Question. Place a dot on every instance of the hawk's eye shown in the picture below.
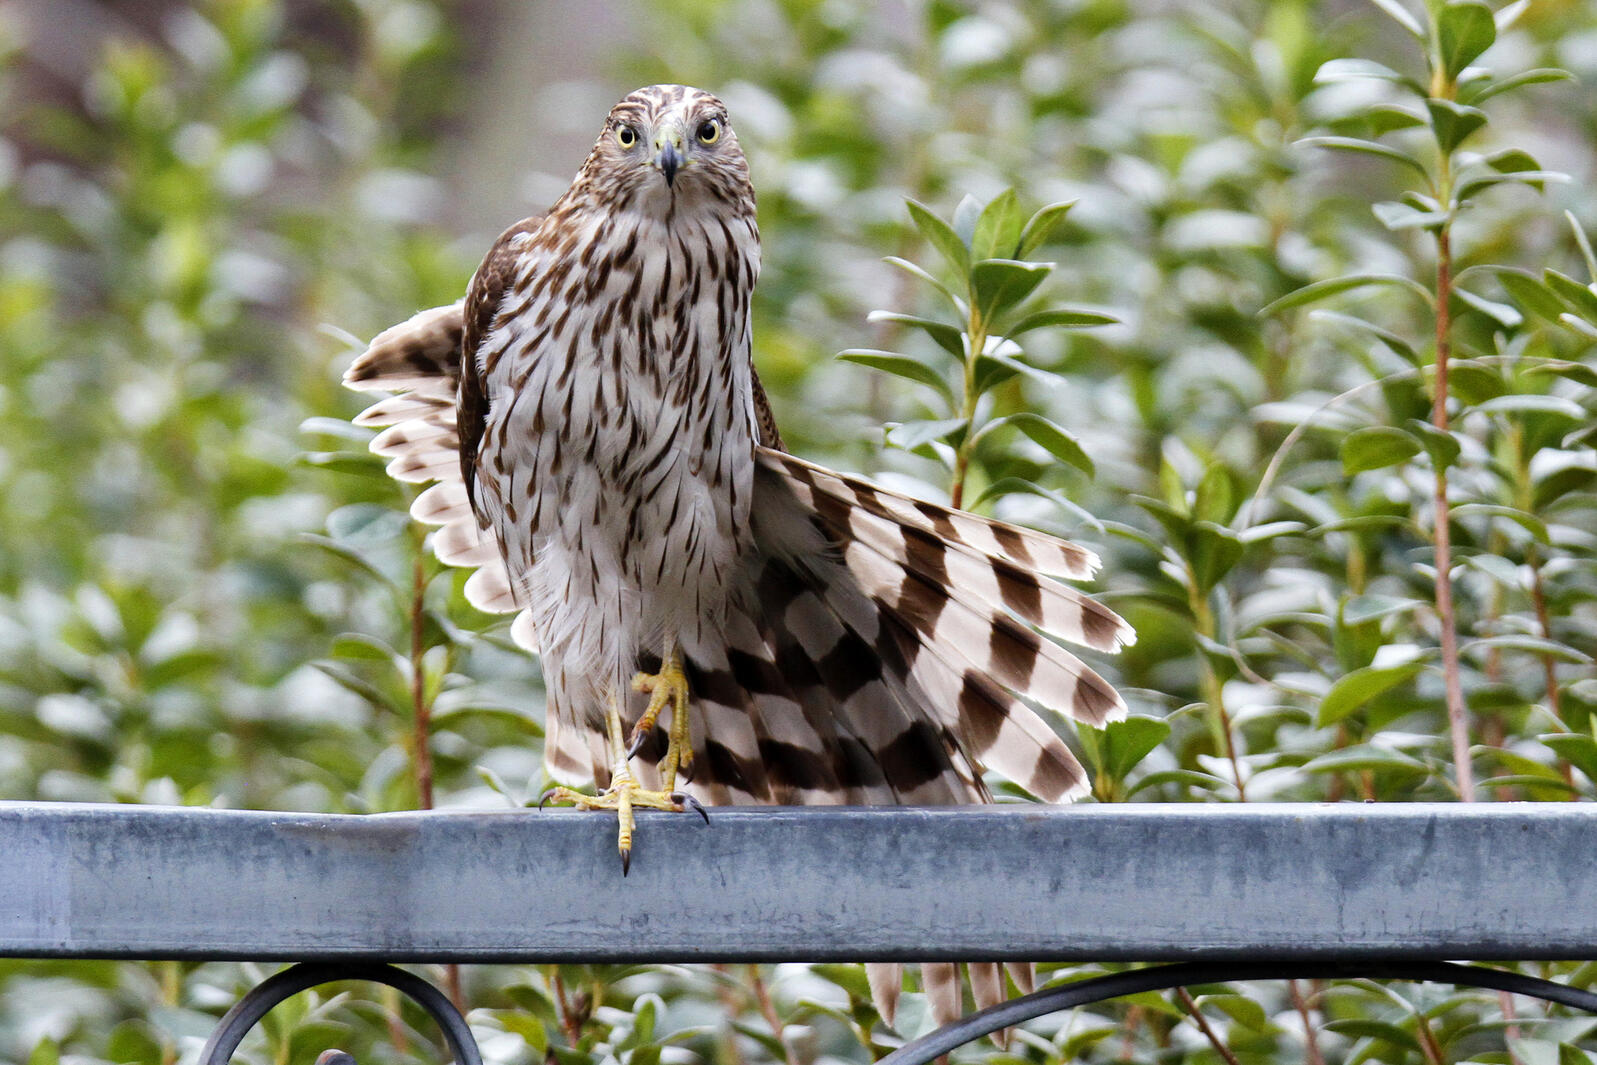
(626, 136)
(709, 132)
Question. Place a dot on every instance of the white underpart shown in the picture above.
(624, 519)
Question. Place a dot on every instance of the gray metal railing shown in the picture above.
(1304, 889)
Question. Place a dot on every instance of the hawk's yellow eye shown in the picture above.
(626, 136)
(709, 132)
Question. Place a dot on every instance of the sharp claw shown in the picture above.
(545, 796)
(626, 862)
(638, 740)
(683, 799)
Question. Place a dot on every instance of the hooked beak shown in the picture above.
(668, 158)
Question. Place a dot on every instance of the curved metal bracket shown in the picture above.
(259, 1002)
(1163, 977)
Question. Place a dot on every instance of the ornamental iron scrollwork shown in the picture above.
(257, 1003)
(249, 1010)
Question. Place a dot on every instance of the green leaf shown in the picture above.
(1214, 500)
(1511, 161)
(1578, 372)
(1355, 689)
(1464, 29)
(942, 237)
(1529, 522)
(1493, 87)
(1364, 147)
(1117, 748)
(900, 366)
(966, 213)
(912, 435)
(998, 284)
(1570, 1054)
(1402, 16)
(998, 228)
(948, 337)
(1041, 227)
(1357, 1028)
(1056, 441)
(1063, 318)
(851, 978)
(1530, 403)
(1375, 447)
(1186, 778)
(358, 645)
(1239, 1008)
(1442, 446)
(915, 271)
(1580, 298)
(1362, 609)
(1005, 486)
(1557, 485)
(1212, 551)
(1585, 245)
(1402, 347)
(45, 1052)
(1320, 290)
(1578, 750)
(1529, 292)
(1346, 69)
(1397, 216)
(1364, 756)
(1453, 123)
(1385, 118)
(1534, 645)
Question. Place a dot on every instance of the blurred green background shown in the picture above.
(211, 595)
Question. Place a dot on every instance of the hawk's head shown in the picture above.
(669, 147)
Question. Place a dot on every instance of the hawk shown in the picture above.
(719, 621)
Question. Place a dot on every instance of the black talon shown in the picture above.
(683, 799)
(626, 862)
(545, 797)
(638, 740)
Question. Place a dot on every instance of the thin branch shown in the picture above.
(1312, 1055)
(422, 737)
(1457, 711)
(1203, 1026)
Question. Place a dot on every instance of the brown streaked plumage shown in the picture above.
(605, 457)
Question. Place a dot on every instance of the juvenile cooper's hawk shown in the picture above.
(604, 453)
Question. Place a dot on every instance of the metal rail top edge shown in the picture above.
(1110, 882)
(1259, 811)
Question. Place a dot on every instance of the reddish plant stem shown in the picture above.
(1311, 1041)
(1203, 1026)
(762, 998)
(1538, 597)
(570, 1023)
(422, 740)
(1457, 711)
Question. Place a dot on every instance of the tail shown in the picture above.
(883, 656)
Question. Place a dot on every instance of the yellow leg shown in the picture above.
(624, 792)
(669, 686)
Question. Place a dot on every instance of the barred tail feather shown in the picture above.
(1027, 548)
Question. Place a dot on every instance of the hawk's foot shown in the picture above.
(669, 686)
(623, 796)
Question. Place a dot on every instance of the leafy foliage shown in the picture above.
(1175, 280)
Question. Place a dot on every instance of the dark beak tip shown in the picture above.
(670, 161)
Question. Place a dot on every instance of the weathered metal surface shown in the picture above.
(1123, 882)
